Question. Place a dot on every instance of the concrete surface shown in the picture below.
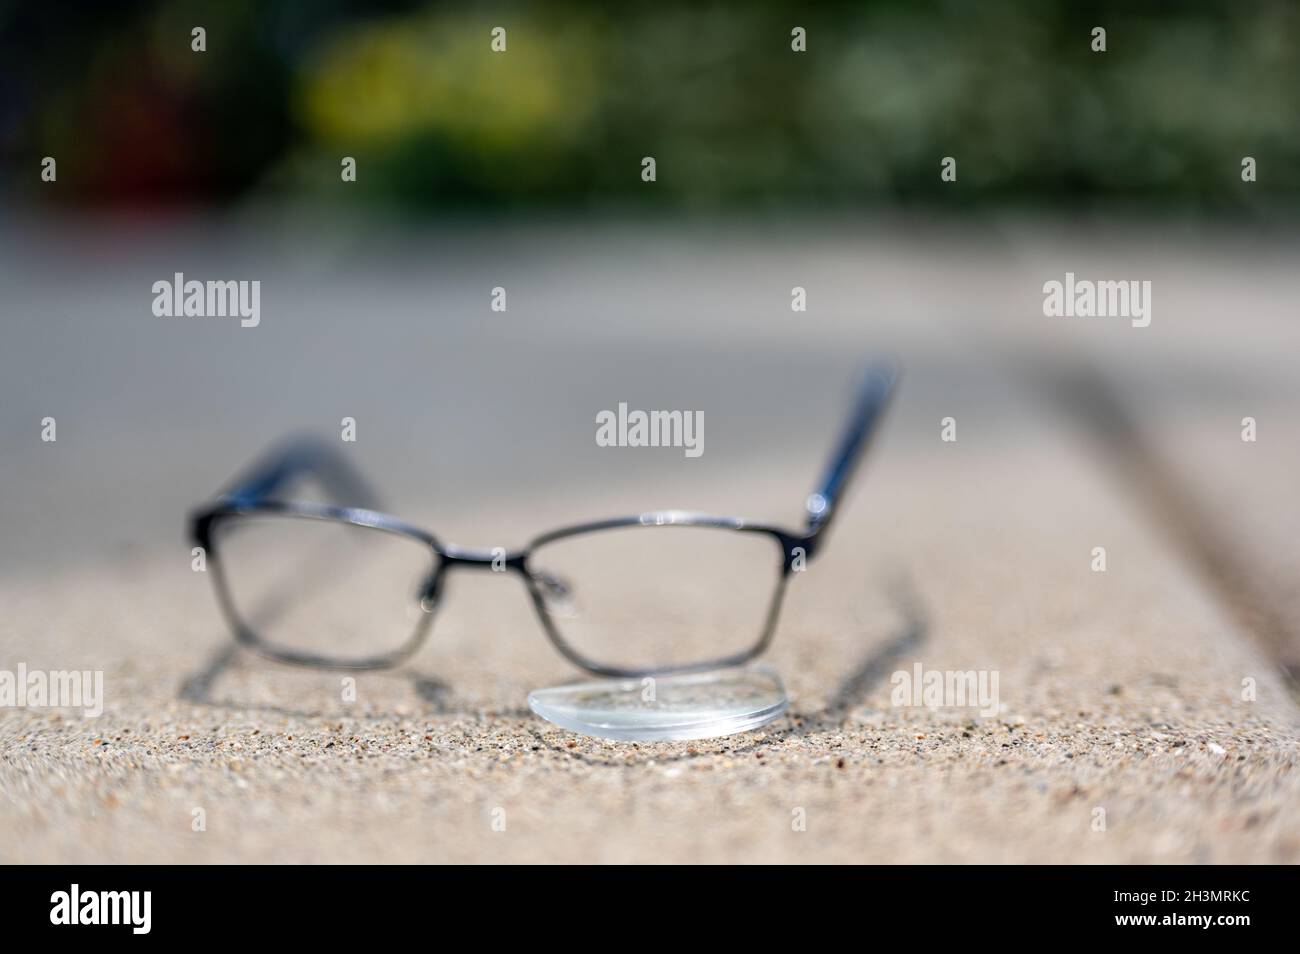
(1121, 692)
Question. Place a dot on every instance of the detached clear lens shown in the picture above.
(681, 706)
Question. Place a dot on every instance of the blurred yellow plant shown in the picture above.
(383, 82)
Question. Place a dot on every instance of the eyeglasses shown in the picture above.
(346, 586)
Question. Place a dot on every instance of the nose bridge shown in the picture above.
(491, 558)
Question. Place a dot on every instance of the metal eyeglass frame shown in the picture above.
(255, 494)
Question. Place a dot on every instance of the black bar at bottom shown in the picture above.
(335, 904)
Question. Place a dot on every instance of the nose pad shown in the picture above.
(557, 594)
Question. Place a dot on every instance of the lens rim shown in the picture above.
(209, 536)
(787, 543)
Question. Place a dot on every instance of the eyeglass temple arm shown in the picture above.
(300, 458)
(873, 396)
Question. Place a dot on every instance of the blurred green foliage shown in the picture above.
(733, 117)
